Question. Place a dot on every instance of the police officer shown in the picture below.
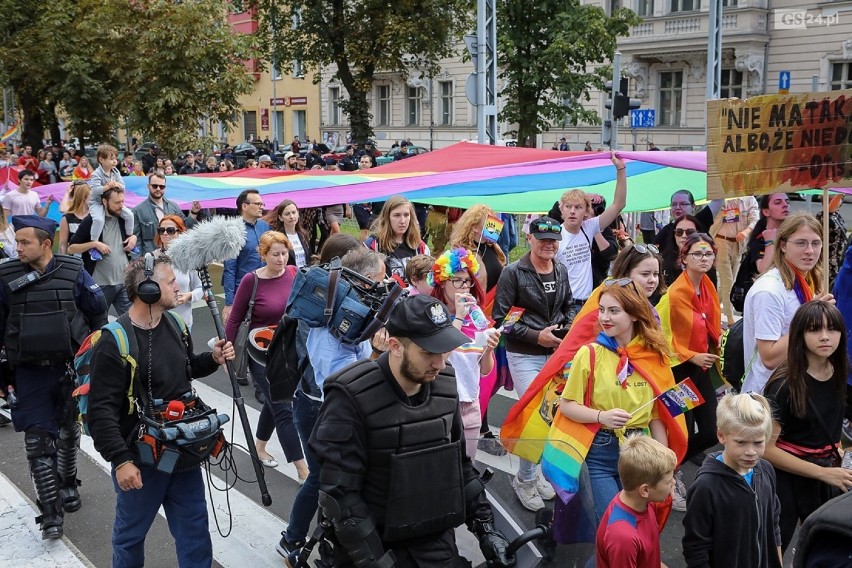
(48, 305)
(390, 433)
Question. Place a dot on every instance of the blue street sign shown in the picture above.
(784, 81)
(642, 118)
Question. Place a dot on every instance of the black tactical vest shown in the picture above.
(414, 483)
(44, 323)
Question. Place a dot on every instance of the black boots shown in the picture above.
(40, 450)
(67, 446)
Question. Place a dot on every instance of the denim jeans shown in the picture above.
(182, 497)
(305, 413)
(524, 369)
(116, 296)
(602, 462)
(283, 414)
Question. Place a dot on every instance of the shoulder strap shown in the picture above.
(182, 330)
(822, 425)
(331, 294)
(128, 350)
(590, 383)
(253, 295)
(586, 236)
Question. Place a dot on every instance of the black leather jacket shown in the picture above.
(521, 286)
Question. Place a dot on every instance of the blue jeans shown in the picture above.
(182, 496)
(524, 369)
(602, 461)
(282, 412)
(305, 413)
(116, 296)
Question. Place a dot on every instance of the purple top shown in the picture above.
(270, 302)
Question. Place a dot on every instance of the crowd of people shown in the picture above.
(617, 321)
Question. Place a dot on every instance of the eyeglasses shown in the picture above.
(687, 232)
(547, 228)
(681, 204)
(645, 249)
(802, 244)
(702, 255)
(157, 185)
(459, 283)
(261, 203)
(167, 230)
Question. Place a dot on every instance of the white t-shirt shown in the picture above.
(465, 361)
(769, 308)
(298, 249)
(575, 253)
(17, 203)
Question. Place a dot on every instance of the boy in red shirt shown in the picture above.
(628, 536)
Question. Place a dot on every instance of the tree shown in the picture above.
(552, 53)
(359, 38)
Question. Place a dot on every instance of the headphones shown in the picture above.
(148, 290)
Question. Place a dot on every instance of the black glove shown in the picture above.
(493, 545)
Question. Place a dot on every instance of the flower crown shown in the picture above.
(452, 261)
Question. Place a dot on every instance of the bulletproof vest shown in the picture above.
(403, 443)
(44, 323)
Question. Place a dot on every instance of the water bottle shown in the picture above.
(95, 254)
(477, 316)
(11, 398)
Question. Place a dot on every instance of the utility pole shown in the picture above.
(609, 130)
(486, 71)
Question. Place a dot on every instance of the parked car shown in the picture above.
(390, 156)
(250, 150)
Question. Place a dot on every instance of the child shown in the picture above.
(628, 534)
(416, 273)
(106, 177)
(732, 511)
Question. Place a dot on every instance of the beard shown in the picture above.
(411, 373)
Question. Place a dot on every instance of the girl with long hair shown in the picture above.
(274, 282)
(285, 219)
(794, 278)
(84, 170)
(683, 228)
(78, 208)
(612, 383)
(396, 234)
(453, 280)
(170, 228)
(808, 392)
(691, 318)
(467, 233)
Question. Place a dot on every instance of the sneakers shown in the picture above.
(528, 494)
(290, 551)
(679, 493)
(544, 488)
(491, 445)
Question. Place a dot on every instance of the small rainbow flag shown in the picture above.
(681, 398)
(13, 130)
(492, 229)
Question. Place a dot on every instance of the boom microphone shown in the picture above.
(220, 238)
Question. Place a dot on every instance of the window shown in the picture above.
(275, 73)
(334, 105)
(413, 106)
(298, 69)
(684, 5)
(614, 6)
(645, 8)
(249, 124)
(384, 94)
(671, 97)
(841, 76)
(278, 126)
(729, 3)
(299, 124)
(446, 102)
(731, 85)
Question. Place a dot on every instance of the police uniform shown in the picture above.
(45, 317)
(394, 479)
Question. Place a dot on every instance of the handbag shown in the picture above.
(241, 340)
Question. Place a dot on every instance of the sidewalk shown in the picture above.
(22, 545)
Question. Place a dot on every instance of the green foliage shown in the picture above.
(155, 66)
(357, 39)
(552, 52)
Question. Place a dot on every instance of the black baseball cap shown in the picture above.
(427, 322)
(546, 228)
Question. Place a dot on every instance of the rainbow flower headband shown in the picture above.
(449, 263)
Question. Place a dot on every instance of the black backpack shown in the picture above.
(742, 284)
(733, 355)
(283, 369)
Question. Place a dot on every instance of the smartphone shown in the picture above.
(846, 463)
(560, 332)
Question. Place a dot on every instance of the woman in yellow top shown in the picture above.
(616, 390)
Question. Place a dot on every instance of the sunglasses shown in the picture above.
(687, 232)
(167, 230)
(644, 249)
(547, 228)
(622, 282)
(158, 185)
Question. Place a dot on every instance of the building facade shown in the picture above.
(665, 60)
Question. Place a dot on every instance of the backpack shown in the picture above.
(746, 276)
(732, 355)
(283, 370)
(128, 352)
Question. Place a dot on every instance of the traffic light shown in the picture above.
(623, 106)
(618, 111)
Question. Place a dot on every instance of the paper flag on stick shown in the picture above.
(682, 397)
(492, 229)
(511, 318)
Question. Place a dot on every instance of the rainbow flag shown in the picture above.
(492, 228)
(681, 398)
(13, 130)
